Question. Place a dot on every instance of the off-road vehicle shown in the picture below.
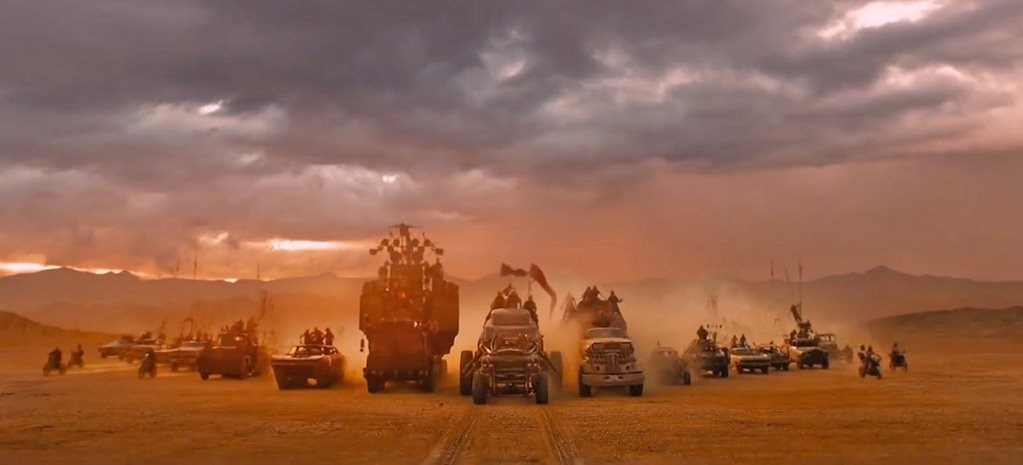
(609, 360)
(509, 360)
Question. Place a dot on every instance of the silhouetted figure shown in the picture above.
(614, 300)
(530, 305)
(513, 300)
(702, 333)
(742, 341)
(328, 337)
(306, 338)
(317, 336)
(498, 302)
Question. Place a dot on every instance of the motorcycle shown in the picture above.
(53, 364)
(147, 366)
(897, 359)
(77, 360)
(871, 366)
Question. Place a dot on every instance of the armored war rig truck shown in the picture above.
(409, 314)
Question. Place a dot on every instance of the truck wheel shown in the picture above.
(283, 383)
(374, 384)
(205, 376)
(687, 378)
(542, 389)
(636, 390)
(558, 363)
(248, 368)
(479, 388)
(765, 370)
(430, 379)
(464, 380)
(584, 390)
(825, 365)
(724, 372)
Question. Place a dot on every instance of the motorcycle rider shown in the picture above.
(148, 364)
(55, 357)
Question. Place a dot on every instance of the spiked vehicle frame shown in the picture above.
(509, 359)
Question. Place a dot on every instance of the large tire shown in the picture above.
(479, 388)
(542, 389)
(584, 390)
(205, 376)
(687, 378)
(374, 384)
(429, 383)
(826, 364)
(245, 370)
(464, 380)
(283, 382)
(765, 370)
(636, 390)
(724, 372)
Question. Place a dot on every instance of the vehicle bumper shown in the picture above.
(612, 379)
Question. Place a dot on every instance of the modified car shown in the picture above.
(235, 354)
(509, 360)
(322, 364)
(806, 352)
(778, 356)
(609, 360)
(705, 355)
(666, 366)
(116, 348)
(184, 355)
(748, 359)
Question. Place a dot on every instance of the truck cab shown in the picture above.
(609, 360)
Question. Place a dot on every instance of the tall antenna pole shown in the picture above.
(800, 283)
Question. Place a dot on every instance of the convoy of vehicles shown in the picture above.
(410, 317)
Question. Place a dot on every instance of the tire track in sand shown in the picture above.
(454, 441)
(561, 445)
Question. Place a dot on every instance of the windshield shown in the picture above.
(745, 351)
(510, 319)
(310, 351)
(594, 333)
(230, 340)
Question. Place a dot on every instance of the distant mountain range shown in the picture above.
(18, 331)
(116, 302)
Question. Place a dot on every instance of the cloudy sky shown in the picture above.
(618, 140)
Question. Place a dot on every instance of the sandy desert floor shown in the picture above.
(966, 407)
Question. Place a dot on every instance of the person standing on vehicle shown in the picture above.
(317, 336)
(328, 337)
(702, 333)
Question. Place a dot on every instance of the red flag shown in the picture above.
(536, 274)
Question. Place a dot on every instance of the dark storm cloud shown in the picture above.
(104, 139)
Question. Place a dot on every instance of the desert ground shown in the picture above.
(960, 402)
